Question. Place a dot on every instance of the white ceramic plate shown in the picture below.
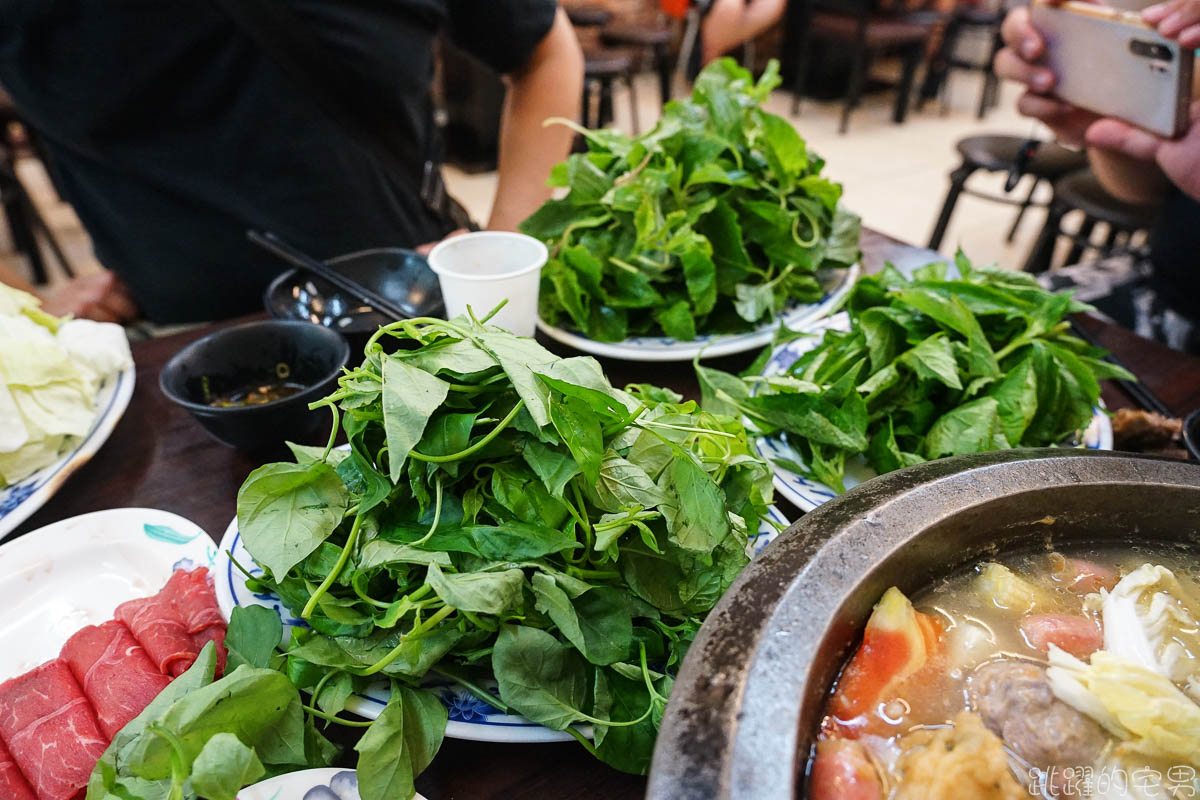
(74, 573)
(469, 717)
(664, 348)
(806, 493)
(308, 784)
(20, 500)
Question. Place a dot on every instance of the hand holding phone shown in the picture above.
(1113, 63)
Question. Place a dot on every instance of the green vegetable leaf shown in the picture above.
(223, 767)
(410, 396)
(253, 634)
(597, 622)
(286, 510)
(539, 677)
(399, 745)
(695, 507)
(495, 593)
(934, 358)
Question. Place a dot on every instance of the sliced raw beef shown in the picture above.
(49, 727)
(115, 672)
(13, 785)
(192, 593)
(156, 625)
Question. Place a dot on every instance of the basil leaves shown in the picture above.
(931, 367)
(712, 222)
(503, 515)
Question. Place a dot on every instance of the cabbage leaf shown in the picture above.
(51, 370)
(1139, 706)
(1151, 619)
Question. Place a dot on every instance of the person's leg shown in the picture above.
(730, 23)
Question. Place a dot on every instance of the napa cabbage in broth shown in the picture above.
(1041, 674)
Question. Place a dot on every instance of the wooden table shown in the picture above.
(159, 457)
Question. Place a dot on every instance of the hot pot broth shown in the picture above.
(966, 668)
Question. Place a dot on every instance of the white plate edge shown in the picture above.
(720, 345)
(68, 464)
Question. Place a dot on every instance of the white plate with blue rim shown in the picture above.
(74, 573)
(308, 784)
(807, 493)
(836, 284)
(23, 498)
(469, 717)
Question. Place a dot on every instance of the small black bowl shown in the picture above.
(401, 275)
(1191, 434)
(236, 358)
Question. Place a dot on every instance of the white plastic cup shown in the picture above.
(482, 268)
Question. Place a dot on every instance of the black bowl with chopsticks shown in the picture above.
(1191, 434)
(353, 294)
(250, 385)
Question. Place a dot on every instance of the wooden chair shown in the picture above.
(602, 69)
(857, 25)
(998, 153)
(1081, 191)
(648, 40)
(966, 19)
(25, 222)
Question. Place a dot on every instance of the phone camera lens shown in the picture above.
(1140, 47)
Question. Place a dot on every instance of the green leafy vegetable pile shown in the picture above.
(930, 367)
(206, 738)
(712, 222)
(502, 514)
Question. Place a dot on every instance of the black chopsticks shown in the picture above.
(273, 244)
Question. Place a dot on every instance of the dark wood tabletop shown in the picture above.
(158, 457)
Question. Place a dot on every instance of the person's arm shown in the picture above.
(1132, 164)
(730, 23)
(549, 84)
(101, 296)
(11, 278)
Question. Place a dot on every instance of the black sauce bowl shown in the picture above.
(235, 358)
(401, 275)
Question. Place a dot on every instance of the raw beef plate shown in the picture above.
(57, 720)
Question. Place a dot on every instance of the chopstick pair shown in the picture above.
(273, 244)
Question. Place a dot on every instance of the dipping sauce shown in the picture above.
(258, 395)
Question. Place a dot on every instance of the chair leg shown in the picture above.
(1110, 240)
(585, 105)
(21, 226)
(604, 116)
(1025, 204)
(958, 179)
(1081, 243)
(800, 79)
(904, 91)
(858, 73)
(633, 105)
(939, 66)
(662, 63)
(1041, 255)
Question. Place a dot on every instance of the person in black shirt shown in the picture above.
(1133, 165)
(172, 132)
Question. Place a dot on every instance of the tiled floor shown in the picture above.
(895, 176)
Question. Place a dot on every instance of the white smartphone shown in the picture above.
(1109, 61)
